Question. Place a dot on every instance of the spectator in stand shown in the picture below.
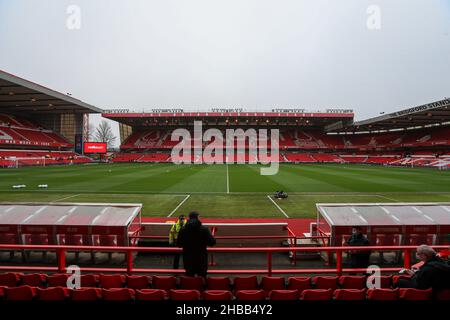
(434, 273)
(359, 259)
(173, 237)
(194, 238)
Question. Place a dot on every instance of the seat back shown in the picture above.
(33, 280)
(325, 282)
(86, 294)
(112, 281)
(138, 282)
(299, 283)
(352, 282)
(191, 283)
(10, 279)
(272, 283)
(150, 294)
(53, 294)
(415, 294)
(382, 294)
(246, 283)
(217, 295)
(164, 282)
(284, 295)
(184, 295)
(316, 294)
(118, 294)
(20, 293)
(349, 294)
(89, 280)
(218, 283)
(250, 295)
(57, 280)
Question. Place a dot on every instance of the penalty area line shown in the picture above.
(178, 206)
(276, 205)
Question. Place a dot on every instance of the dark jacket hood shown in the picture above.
(193, 224)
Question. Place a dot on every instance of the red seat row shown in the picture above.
(127, 294)
(196, 283)
(167, 283)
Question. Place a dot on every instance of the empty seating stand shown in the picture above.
(120, 287)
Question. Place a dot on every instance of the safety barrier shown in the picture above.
(269, 270)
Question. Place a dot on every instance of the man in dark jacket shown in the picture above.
(434, 273)
(194, 238)
(359, 259)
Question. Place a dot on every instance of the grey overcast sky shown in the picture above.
(199, 54)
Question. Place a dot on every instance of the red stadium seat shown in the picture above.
(284, 295)
(382, 294)
(2, 292)
(385, 281)
(151, 294)
(325, 282)
(218, 283)
(53, 294)
(164, 282)
(352, 282)
(57, 280)
(415, 294)
(246, 283)
(86, 294)
(272, 283)
(250, 295)
(20, 293)
(299, 283)
(33, 280)
(118, 294)
(398, 277)
(184, 295)
(217, 295)
(112, 281)
(10, 279)
(138, 282)
(89, 280)
(349, 294)
(316, 294)
(191, 283)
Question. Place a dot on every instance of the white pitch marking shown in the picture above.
(381, 196)
(72, 196)
(281, 210)
(228, 181)
(179, 205)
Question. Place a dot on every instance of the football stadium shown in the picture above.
(227, 204)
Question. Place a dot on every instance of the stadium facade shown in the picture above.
(417, 136)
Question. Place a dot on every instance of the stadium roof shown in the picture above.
(377, 214)
(68, 214)
(20, 95)
(288, 117)
(435, 113)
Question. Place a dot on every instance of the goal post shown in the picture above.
(29, 161)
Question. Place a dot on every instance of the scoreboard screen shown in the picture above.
(95, 147)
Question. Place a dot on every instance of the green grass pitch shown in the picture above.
(225, 191)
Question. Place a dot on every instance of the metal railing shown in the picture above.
(61, 251)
